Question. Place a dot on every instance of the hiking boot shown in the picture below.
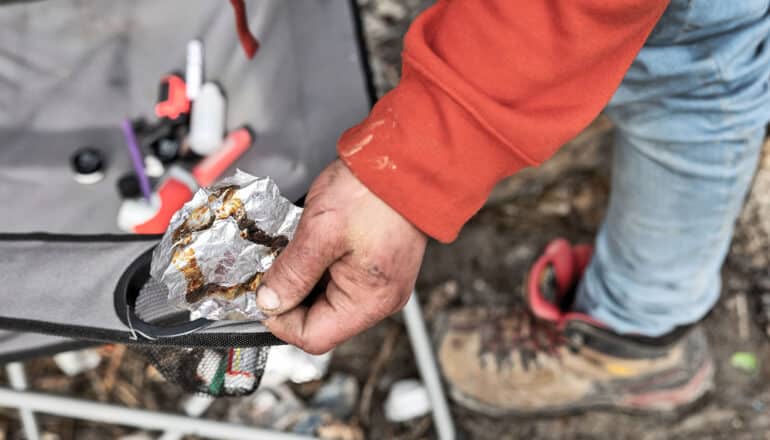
(549, 360)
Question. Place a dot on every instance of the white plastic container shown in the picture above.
(207, 123)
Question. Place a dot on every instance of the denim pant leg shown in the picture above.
(690, 115)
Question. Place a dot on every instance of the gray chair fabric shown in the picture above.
(71, 70)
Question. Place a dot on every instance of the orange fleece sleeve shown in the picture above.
(489, 87)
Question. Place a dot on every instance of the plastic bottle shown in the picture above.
(207, 123)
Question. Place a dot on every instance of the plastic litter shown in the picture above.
(207, 123)
(289, 363)
(73, 363)
(745, 361)
(270, 407)
(407, 399)
(233, 373)
(338, 395)
(279, 408)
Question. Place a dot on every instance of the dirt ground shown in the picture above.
(565, 197)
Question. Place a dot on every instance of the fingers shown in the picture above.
(332, 319)
(297, 269)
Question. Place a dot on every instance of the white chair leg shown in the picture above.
(426, 363)
(18, 381)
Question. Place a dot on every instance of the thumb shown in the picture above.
(297, 269)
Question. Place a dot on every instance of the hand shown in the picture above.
(372, 254)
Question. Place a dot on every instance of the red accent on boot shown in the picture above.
(568, 264)
(558, 255)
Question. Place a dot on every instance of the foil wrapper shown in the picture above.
(219, 244)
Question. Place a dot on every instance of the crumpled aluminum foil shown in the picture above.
(217, 246)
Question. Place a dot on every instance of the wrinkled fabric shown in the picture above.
(691, 115)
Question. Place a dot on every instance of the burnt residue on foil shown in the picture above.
(219, 244)
(227, 293)
(252, 232)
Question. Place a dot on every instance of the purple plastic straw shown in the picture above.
(136, 158)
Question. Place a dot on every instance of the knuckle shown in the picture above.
(384, 302)
(292, 274)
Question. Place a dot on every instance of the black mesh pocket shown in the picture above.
(216, 372)
(234, 371)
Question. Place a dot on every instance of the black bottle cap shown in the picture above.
(88, 165)
(128, 186)
(166, 149)
(87, 160)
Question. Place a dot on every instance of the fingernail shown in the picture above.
(267, 299)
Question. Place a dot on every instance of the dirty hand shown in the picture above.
(372, 254)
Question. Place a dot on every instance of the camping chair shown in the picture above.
(70, 71)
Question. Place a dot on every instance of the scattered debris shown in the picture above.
(116, 357)
(706, 418)
(337, 395)
(440, 297)
(741, 307)
(279, 408)
(340, 431)
(407, 400)
(73, 363)
(289, 363)
(307, 422)
(390, 10)
(196, 404)
(744, 360)
(378, 366)
(556, 202)
(763, 302)
(269, 407)
(483, 287)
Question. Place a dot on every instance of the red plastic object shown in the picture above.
(173, 194)
(209, 169)
(173, 101)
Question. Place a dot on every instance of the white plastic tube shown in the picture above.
(193, 75)
(426, 363)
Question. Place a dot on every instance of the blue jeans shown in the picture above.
(691, 115)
